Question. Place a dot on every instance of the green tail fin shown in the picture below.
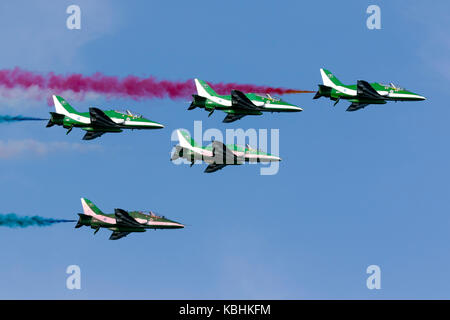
(186, 140)
(62, 107)
(89, 208)
(203, 89)
(329, 79)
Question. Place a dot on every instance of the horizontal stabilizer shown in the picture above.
(83, 220)
(56, 118)
(197, 101)
(90, 135)
(356, 106)
(231, 117)
(178, 153)
(116, 235)
(214, 167)
(323, 91)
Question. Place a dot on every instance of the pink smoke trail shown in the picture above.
(115, 87)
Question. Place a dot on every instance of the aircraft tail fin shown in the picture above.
(329, 79)
(185, 139)
(89, 208)
(61, 106)
(203, 89)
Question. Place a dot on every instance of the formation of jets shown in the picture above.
(236, 105)
(217, 155)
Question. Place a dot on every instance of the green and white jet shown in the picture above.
(217, 155)
(121, 222)
(97, 122)
(363, 93)
(238, 104)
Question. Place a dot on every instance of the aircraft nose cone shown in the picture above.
(177, 225)
(295, 108)
(418, 97)
(275, 158)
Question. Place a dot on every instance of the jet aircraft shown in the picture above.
(96, 122)
(121, 222)
(363, 93)
(217, 155)
(238, 104)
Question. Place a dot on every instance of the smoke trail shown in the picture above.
(11, 220)
(6, 118)
(114, 87)
(10, 149)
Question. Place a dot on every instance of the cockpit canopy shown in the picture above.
(130, 114)
(151, 214)
(249, 148)
(268, 96)
(392, 86)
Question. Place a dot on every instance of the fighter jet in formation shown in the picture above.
(217, 155)
(97, 122)
(363, 93)
(121, 222)
(238, 104)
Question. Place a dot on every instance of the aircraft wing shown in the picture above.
(214, 167)
(222, 154)
(124, 219)
(233, 117)
(365, 90)
(116, 235)
(100, 119)
(356, 106)
(240, 100)
(90, 135)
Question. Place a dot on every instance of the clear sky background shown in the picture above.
(353, 189)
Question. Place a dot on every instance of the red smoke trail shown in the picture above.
(114, 87)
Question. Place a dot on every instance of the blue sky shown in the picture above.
(354, 189)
